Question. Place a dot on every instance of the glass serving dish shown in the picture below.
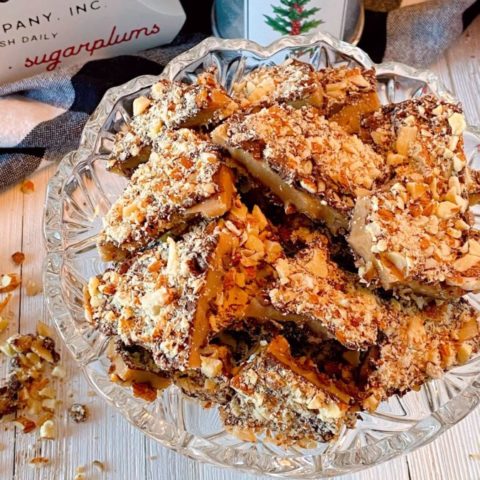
(80, 194)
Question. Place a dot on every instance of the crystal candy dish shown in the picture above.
(81, 192)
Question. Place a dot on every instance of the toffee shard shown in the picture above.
(309, 163)
(169, 105)
(286, 399)
(340, 94)
(184, 178)
(314, 288)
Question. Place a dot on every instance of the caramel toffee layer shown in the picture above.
(307, 161)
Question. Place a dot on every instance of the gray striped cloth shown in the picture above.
(418, 34)
(42, 117)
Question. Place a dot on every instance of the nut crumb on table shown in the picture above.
(33, 288)
(27, 187)
(27, 396)
(9, 282)
(18, 258)
(78, 412)
(39, 461)
(100, 466)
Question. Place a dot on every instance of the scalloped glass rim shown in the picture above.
(87, 347)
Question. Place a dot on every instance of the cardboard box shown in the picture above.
(43, 36)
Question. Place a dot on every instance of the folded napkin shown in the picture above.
(42, 117)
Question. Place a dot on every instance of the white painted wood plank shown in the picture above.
(11, 208)
(31, 310)
(464, 64)
(106, 436)
(449, 456)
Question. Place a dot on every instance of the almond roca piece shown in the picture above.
(346, 95)
(422, 136)
(418, 344)
(169, 105)
(286, 399)
(307, 162)
(410, 238)
(184, 178)
(171, 298)
(160, 299)
(416, 233)
(313, 287)
(341, 94)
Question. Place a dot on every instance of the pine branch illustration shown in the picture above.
(309, 12)
(275, 24)
(280, 11)
(307, 26)
(281, 22)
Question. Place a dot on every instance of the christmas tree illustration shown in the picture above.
(292, 18)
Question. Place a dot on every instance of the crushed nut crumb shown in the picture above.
(99, 465)
(38, 461)
(59, 372)
(9, 282)
(32, 288)
(4, 322)
(18, 258)
(48, 430)
(27, 187)
(78, 412)
(27, 390)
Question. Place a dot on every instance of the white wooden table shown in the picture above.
(127, 453)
